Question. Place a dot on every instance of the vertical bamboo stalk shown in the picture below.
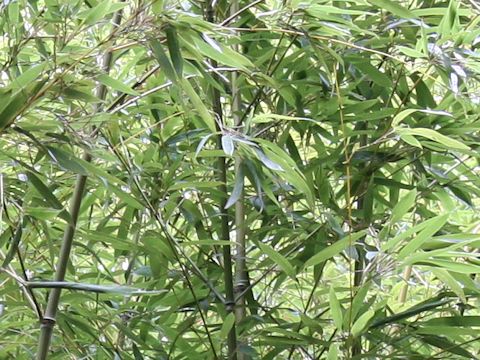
(221, 170)
(359, 266)
(403, 292)
(241, 281)
(49, 318)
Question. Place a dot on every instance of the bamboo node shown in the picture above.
(48, 321)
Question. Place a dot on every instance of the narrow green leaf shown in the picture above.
(202, 143)
(207, 243)
(174, 49)
(29, 76)
(335, 309)
(394, 7)
(432, 227)
(266, 118)
(126, 197)
(42, 213)
(402, 115)
(407, 233)
(411, 52)
(12, 250)
(411, 140)
(227, 326)
(430, 304)
(17, 102)
(66, 161)
(216, 51)
(99, 173)
(403, 206)
(361, 323)
(8, 114)
(333, 249)
(44, 191)
(457, 321)
(136, 352)
(163, 60)
(442, 330)
(279, 259)
(267, 162)
(443, 343)
(115, 84)
(406, 113)
(450, 281)
(198, 105)
(332, 352)
(237, 189)
(195, 185)
(433, 135)
(374, 74)
(97, 13)
(453, 266)
(76, 94)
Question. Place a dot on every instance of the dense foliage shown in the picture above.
(252, 180)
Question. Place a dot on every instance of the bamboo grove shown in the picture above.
(239, 180)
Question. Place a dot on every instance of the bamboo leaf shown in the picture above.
(334, 249)
(393, 242)
(66, 161)
(43, 190)
(163, 60)
(433, 135)
(116, 85)
(227, 145)
(404, 205)
(450, 281)
(227, 325)
(361, 323)
(267, 162)
(98, 12)
(443, 343)
(433, 226)
(237, 189)
(14, 244)
(174, 49)
(199, 105)
(335, 309)
(278, 259)
(394, 7)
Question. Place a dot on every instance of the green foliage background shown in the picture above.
(340, 136)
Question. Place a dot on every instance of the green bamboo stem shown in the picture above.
(221, 170)
(49, 318)
(225, 234)
(48, 321)
(241, 280)
(359, 266)
(402, 297)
